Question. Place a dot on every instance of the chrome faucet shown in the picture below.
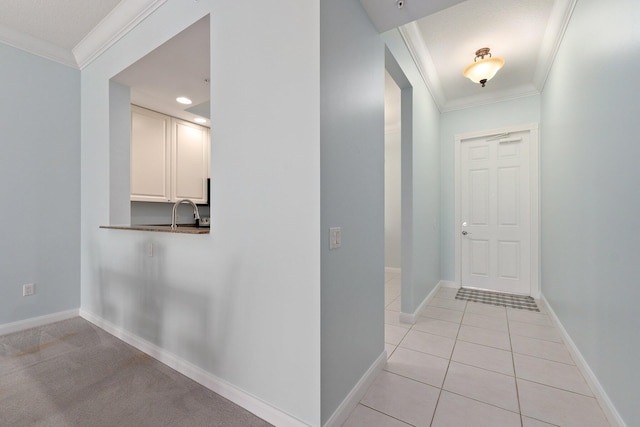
(174, 214)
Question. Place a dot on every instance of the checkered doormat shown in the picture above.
(497, 298)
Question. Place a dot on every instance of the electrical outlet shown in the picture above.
(28, 289)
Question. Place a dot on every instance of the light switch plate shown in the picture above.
(28, 289)
(335, 237)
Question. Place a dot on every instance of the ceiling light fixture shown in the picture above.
(483, 69)
(183, 100)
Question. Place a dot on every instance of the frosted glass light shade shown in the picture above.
(483, 69)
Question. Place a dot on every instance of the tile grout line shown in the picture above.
(450, 358)
(544, 358)
(384, 413)
(515, 374)
(559, 389)
(483, 402)
(509, 320)
(446, 372)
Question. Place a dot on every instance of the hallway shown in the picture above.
(471, 364)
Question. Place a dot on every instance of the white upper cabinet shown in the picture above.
(190, 165)
(150, 155)
(169, 158)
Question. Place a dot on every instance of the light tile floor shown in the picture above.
(470, 364)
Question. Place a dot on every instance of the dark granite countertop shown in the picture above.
(162, 228)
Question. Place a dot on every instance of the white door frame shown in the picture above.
(534, 165)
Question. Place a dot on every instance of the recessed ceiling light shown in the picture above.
(200, 120)
(183, 100)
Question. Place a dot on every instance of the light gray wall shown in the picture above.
(120, 152)
(591, 193)
(242, 303)
(485, 117)
(40, 185)
(420, 181)
(392, 199)
(352, 181)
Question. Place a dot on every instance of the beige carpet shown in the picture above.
(72, 373)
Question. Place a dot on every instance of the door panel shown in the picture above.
(495, 210)
(191, 161)
(508, 196)
(479, 197)
(479, 255)
(508, 256)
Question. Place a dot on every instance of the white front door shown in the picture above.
(495, 213)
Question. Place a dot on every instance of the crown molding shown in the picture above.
(554, 33)
(477, 100)
(422, 58)
(125, 16)
(556, 27)
(36, 46)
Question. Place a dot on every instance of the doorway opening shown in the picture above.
(392, 194)
(398, 192)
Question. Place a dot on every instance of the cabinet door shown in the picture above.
(150, 156)
(190, 161)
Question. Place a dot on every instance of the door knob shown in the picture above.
(464, 233)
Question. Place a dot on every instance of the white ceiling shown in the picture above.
(443, 39)
(526, 33)
(71, 32)
(61, 23)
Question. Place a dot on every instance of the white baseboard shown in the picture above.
(199, 375)
(356, 394)
(449, 284)
(34, 322)
(412, 318)
(610, 411)
(395, 270)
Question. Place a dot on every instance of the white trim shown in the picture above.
(420, 55)
(556, 28)
(534, 166)
(610, 411)
(394, 270)
(356, 394)
(486, 98)
(412, 318)
(34, 322)
(124, 17)
(534, 179)
(449, 284)
(36, 46)
(240, 397)
(415, 44)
